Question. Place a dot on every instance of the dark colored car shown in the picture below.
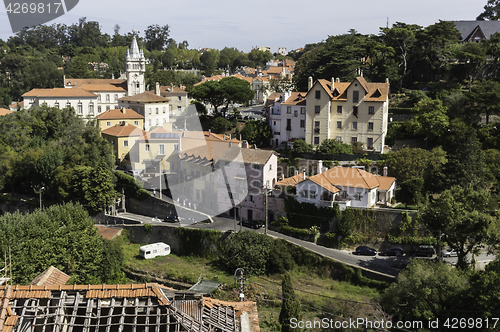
(394, 251)
(364, 250)
(424, 251)
(255, 224)
(171, 218)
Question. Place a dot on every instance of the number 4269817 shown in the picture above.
(32, 8)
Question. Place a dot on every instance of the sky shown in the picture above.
(244, 25)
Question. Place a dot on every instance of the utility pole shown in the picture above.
(160, 179)
(265, 193)
(234, 218)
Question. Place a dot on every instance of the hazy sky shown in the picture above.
(244, 24)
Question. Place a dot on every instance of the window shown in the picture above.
(274, 123)
(288, 109)
(108, 123)
(179, 98)
(116, 97)
(147, 147)
(149, 122)
(370, 126)
(162, 148)
(149, 110)
(107, 108)
(125, 143)
(56, 105)
(136, 123)
(157, 122)
(288, 124)
(157, 110)
(339, 109)
(318, 94)
(107, 98)
(354, 125)
(369, 144)
(164, 120)
(164, 110)
(98, 98)
(317, 109)
(338, 138)
(99, 109)
(295, 113)
(371, 109)
(80, 108)
(316, 127)
(91, 108)
(358, 196)
(68, 104)
(355, 111)
(355, 96)
(255, 166)
(354, 140)
(302, 110)
(179, 109)
(270, 168)
(316, 140)
(302, 123)
(339, 124)
(176, 147)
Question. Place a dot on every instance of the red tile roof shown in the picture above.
(59, 92)
(51, 277)
(123, 131)
(124, 113)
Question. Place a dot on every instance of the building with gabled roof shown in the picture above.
(135, 307)
(351, 112)
(347, 186)
(51, 277)
(474, 31)
(287, 118)
(178, 99)
(123, 138)
(4, 111)
(154, 108)
(114, 117)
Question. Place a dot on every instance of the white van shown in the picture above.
(154, 249)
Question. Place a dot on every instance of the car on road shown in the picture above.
(171, 218)
(449, 253)
(364, 250)
(255, 224)
(394, 251)
(423, 251)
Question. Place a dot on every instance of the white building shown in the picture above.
(287, 118)
(154, 108)
(348, 187)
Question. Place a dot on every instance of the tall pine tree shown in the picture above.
(290, 308)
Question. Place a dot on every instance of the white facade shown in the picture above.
(135, 67)
(85, 106)
(287, 118)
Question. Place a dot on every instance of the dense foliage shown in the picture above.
(56, 150)
(64, 237)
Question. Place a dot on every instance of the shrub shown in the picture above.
(280, 257)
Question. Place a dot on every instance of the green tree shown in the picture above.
(256, 132)
(259, 58)
(491, 11)
(290, 307)
(156, 37)
(459, 213)
(209, 92)
(220, 125)
(247, 250)
(431, 120)
(228, 58)
(209, 60)
(485, 99)
(300, 146)
(332, 146)
(425, 290)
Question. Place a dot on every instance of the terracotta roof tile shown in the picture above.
(251, 156)
(51, 277)
(145, 97)
(108, 233)
(296, 98)
(4, 111)
(291, 181)
(59, 92)
(119, 114)
(123, 131)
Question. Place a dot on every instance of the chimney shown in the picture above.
(333, 83)
(320, 166)
(296, 172)
(309, 83)
(337, 80)
(303, 174)
(385, 170)
(387, 80)
(124, 111)
(230, 143)
(157, 89)
(244, 144)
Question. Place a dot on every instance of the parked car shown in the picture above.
(394, 251)
(364, 250)
(449, 253)
(255, 224)
(423, 251)
(171, 218)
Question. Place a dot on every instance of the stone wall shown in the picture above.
(152, 207)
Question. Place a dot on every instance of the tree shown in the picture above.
(425, 290)
(228, 58)
(459, 214)
(209, 60)
(156, 37)
(431, 121)
(236, 90)
(209, 92)
(259, 58)
(491, 11)
(290, 308)
(485, 99)
(256, 132)
(300, 146)
(332, 146)
(220, 125)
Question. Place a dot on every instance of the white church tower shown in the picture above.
(135, 66)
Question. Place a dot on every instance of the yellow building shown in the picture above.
(350, 112)
(114, 117)
(122, 138)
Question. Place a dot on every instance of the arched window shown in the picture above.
(91, 108)
(80, 107)
(107, 98)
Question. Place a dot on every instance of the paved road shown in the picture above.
(383, 264)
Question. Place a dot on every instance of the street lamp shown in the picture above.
(40, 193)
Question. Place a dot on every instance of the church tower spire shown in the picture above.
(135, 67)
